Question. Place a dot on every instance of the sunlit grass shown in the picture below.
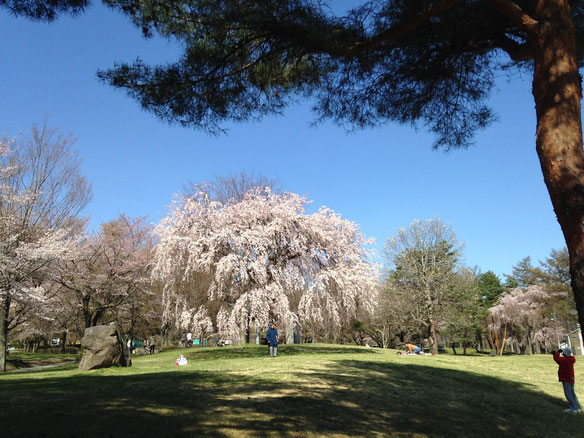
(309, 390)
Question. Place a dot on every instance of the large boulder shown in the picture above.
(103, 347)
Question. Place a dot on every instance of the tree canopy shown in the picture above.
(429, 62)
(44, 10)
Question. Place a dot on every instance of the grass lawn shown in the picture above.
(309, 390)
(19, 360)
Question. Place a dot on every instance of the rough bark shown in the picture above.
(557, 93)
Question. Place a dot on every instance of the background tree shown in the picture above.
(463, 311)
(232, 187)
(490, 287)
(109, 275)
(525, 274)
(260, 259)
(552, 274)
(42, 192)
(422, 259)
(429, 62)
(556, 269)
(521, 316)
(396, 318)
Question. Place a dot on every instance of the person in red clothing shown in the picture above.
(566, 376)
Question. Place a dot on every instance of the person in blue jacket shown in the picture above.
(272, 338)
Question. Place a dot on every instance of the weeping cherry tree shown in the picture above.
(259, 259)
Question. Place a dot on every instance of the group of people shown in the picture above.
(149, 345)
(187, 339)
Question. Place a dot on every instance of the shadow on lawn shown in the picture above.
(249, 351)
(351, 398)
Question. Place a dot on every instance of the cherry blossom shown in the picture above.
(264, 258)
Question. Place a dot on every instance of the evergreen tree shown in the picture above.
(490, 287)
(44, 10)
(525, 274)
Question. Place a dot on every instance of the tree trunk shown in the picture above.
(434, 336)
(86, 311)
(63, 341)
(497, 348)
(491, 340)
(4, 314)
(557, 93)
(289, 333)
(504, 339)
(298, 334)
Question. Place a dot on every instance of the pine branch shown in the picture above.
(517, 15)
(401, 28)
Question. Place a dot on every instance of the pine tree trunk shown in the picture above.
(557, 93)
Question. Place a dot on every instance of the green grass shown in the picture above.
(310, 390)
(22, 360)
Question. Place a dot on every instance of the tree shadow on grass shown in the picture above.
(251, 351)
(348, 398)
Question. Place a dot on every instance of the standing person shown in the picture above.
(272, 338)
(566, 376)
(152, 343)
(189, 339)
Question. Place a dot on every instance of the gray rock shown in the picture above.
(103, 347)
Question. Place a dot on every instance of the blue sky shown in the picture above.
(493, 193)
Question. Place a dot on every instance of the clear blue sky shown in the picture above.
(493, 194)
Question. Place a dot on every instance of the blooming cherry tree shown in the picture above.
(263, 258)
(109, 271)
(41, 193)
(521, 314)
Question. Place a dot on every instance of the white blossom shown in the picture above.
(259, 254)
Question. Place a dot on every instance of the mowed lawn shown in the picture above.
(309, 390)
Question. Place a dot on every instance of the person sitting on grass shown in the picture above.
(566, 376)
(412, 349)
(272, 338)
